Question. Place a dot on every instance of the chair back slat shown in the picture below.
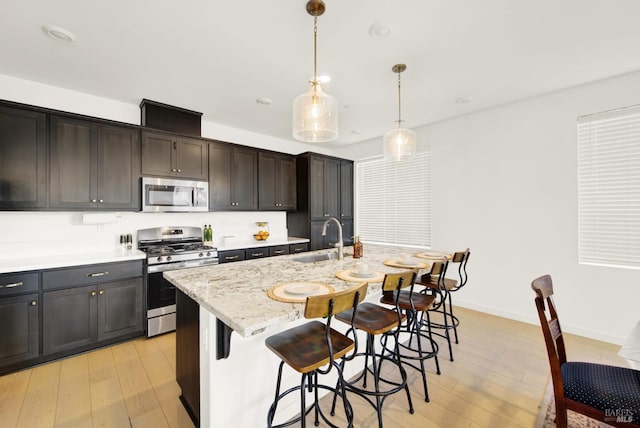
(327, 305)
(394, 280)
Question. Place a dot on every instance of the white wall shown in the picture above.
(505, 184)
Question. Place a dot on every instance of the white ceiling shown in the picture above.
(218, 57)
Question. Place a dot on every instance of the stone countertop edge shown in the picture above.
(237, 245)
(53, 261)
(236, 293)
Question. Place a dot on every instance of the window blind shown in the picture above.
(393, 204)
(609, 188)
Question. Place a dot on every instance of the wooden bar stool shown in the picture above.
(412, 344)
(435, 285)
(375, 321)
(314, 345)
(452, 285)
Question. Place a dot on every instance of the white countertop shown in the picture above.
(238, 244)
(236, 293)
(51, 261)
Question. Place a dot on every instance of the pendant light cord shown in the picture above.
(315, 51)
(399, 110)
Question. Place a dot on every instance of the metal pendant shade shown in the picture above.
(315, 113)
(399, 143)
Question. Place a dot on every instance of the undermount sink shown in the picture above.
(310, 258)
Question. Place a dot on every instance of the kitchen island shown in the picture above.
(237, 383)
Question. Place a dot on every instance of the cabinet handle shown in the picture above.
(92, 275)
(297, 250)
(93, 293)
(14, 284)
(179, 170)
(33, 302)
(101, 200)
(173, 170)
(231, 257)
(94, 200)
(326, 215)
(279, 252)
(257, 254)
(101, 292)
(175, 145)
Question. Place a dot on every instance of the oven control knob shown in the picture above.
(208, 253)
(168, 258)
(201, 255)
(159, 259)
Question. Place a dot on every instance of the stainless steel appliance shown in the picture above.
(169, 248)
(174, 195)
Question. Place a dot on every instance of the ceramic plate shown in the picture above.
(302, 288)
(362, 275)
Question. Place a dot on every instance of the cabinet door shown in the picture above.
(191, 159)
(23, 181)
(73, 163)
(256, 253)
(118, 168)
(69, 318)
(286, 182)
(347, 232)
(119, 308)
(157, 156)
(231, 256)
(220, 164)
(244, 188)
(332, 187)
(316, 189)
(346, 190)
(267, 188)
(20, 338)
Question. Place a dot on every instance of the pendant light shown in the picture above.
(315, 113)
(399, 143)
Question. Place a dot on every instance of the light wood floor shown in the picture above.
(497, 380)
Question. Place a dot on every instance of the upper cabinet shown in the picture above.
(93, 165)
(233, 177)
(277, 181)
(346, 189)
(23, 159)
(324, 187)
(174, 156)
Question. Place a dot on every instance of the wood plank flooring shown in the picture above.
(497, 380)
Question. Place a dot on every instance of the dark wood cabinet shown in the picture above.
(233, 177)
(19, 318)
(89, 305)
(188, 353)
(171, 155)
(93, 166)
(23, 159)
(324, 189)
(256, 253)
(229, 256)
(277, 181)
(278, 250)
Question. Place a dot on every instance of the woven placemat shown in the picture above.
(398, 263)
(278, 292)
(348, 275)
(433, 255)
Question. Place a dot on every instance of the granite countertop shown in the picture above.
(236, 293)
(272, 241)
(52, 261)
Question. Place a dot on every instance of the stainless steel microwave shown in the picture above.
(174, 195)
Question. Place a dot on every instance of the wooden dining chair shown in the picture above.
(606, 393)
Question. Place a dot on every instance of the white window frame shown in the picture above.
(609, 188)
(394, 207)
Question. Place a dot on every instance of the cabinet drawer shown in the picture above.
(298, 248)
(231, 256)
(278, 250)
(256, 253)
(93, 274)
(18, 283)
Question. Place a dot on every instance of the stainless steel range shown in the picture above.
(169, 248)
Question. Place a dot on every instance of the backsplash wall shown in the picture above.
(29, 233)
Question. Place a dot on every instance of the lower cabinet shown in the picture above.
(188, 353)
(81, 316)
(231, 256)
(20, 338)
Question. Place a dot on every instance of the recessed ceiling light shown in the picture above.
(263, 101)
(58, 33)
(356, 132)
(379, 30)
(464, 100)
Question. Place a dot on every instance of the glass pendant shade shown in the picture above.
(399, 143)
(315, 116)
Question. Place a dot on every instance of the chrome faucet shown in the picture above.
(339, 245)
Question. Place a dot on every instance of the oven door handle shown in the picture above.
(181, 265)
